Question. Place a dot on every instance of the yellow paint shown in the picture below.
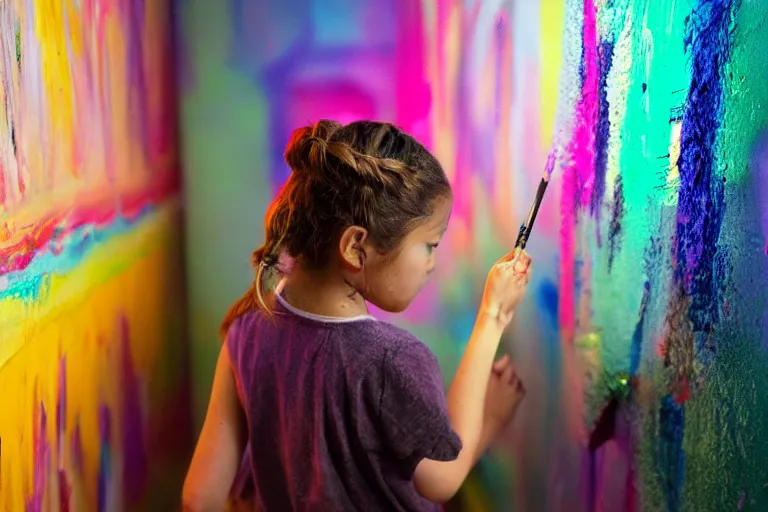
(136, 275)
(50, 30)
(551, 25)
(673, 176)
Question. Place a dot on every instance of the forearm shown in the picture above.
(466, 396)
(439, 481)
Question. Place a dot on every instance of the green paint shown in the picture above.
(726, 438)
(18, 46)
(649, 88)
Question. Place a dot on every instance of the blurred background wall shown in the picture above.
(94, 402)
(643, 339)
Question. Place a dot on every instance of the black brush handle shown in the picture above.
(525, 229)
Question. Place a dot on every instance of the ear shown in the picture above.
(352, 246)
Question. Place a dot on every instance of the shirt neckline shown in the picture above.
(311, 316)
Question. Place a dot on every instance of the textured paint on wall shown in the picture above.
(643, 340)
(92, 365)
(675, 334)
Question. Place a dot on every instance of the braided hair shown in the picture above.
(365, 173)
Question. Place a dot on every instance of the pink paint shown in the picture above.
(412, 90)
(65, 492)
(41, 453)
(2, 186)
(76, 445)
(443, 9)
(616, 474)
(341, 99)
(578, 175)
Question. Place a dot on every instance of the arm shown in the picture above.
(439, 481)
(220, 447)
(504, 289)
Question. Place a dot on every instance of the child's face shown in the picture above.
(393, 282)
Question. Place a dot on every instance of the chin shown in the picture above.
(392, 306)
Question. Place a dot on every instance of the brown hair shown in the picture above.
(365, 173)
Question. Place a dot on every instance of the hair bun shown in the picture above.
(308, 145)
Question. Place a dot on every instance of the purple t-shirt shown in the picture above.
(339, 411)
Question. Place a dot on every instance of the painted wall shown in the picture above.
(93, 373)
(643, 340)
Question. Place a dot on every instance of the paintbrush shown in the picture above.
(527, 226)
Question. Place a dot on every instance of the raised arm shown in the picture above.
(505, 288)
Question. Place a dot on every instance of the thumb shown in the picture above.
(501, 363)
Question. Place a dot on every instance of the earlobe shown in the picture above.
(352, 247)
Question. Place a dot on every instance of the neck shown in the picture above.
(323, 293)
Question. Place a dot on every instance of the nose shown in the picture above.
(431, 266)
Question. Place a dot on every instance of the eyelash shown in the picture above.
(432, 247)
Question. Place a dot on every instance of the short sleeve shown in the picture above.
(412, 411)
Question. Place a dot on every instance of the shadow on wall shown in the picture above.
(93, 374)
(643, 341)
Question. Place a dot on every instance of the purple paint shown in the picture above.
(760, 169)
(137, 80)
(61, 410)
(700, 201)
(76, 445)
(760, 164)
(135, 467)
(602, 133)
(42, 459)
(61, 421)
(105, 457)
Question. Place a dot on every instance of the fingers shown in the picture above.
(501, 363)
(510, 256)
(523, 263)
(518, 261)
(515, 382)
(513, 379)
(507, 373)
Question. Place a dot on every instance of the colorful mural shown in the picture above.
(643, 340)
(92, 357)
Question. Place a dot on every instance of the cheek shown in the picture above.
(415, 264)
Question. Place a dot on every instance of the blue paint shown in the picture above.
(617, 216)
(602, 132)
(670, 459)
(30, 283)
(700, 202)
(548, 299)
(636, 346)
(460, 323)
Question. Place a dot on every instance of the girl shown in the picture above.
(334, 410)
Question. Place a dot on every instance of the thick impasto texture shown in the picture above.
(643, 341)
(92, 363)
